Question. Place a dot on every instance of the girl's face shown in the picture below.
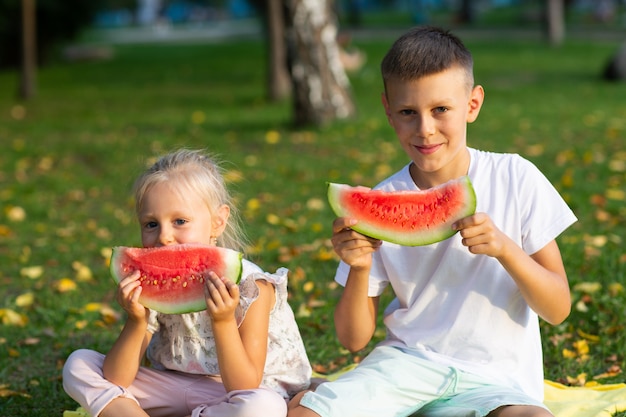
(430, 116)
(167, 217)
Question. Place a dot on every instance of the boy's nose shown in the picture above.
(425, 126)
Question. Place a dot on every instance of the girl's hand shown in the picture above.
(128, 292)
(481, 236)
(352, 247)
(222, 297)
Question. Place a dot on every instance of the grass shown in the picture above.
(69, 157)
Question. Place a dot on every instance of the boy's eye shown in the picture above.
(151, 225)
(406, 112)
(441, 109)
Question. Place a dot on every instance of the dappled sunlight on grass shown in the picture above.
(70, 156)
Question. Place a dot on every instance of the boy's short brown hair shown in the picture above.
(426, 50)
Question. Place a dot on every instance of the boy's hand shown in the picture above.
(222, 297)
(128, 292)
(481, 236)
(352, 247)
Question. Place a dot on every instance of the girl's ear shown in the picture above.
(477, 96)
(220, 219)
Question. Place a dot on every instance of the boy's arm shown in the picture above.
(356, 312)
(541, 277)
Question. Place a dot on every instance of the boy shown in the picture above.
(463, 333)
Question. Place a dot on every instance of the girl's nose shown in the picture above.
(166, 237)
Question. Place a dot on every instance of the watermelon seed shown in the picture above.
(154, 282)
(184, 284)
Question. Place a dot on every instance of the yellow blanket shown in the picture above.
(597, 401)
(562, 400)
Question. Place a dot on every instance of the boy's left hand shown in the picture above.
(481, 236)
(222, 297)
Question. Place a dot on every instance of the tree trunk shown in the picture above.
(555, 16)
(321, 90)
(29, 49)
(279, 81)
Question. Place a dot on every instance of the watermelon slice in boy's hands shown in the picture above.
(173, 277)
(410, 218)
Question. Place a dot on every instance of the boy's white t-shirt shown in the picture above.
(461, 309)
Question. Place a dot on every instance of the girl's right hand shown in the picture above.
(352, 247)
(128, 292)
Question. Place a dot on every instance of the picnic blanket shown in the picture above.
(562, 400)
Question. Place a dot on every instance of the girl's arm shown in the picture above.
(241, 352)
(541, 277)
(123, 360)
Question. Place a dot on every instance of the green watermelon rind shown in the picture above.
(406, 238)
(234, 272)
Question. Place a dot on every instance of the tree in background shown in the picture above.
(321, 88)
(555, 20)
(29, 49)
(278, 79)
(57, 21)
(304, 59)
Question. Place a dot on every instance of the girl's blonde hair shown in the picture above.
(197, 172)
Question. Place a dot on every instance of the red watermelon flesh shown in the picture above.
(410, 218)
(173, 277)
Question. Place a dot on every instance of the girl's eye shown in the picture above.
(180, 222)
(151, 225)
(406, 112)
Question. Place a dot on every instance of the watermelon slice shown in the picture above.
(172, 277)
(410, 218)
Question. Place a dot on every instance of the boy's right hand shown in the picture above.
(128, 292)
(352, 247)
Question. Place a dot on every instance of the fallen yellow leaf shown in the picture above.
(32, 272)
(65, 285)
(11, 318)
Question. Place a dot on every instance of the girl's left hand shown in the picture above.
(481, 236)
(222, 297)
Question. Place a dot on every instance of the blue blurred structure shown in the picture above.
(150, 12)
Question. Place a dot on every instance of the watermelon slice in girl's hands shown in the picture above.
(173, 277)
(410, 218)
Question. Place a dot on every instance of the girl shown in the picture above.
(242, 355)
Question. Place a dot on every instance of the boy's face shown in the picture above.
(167, 218)
(430, 116)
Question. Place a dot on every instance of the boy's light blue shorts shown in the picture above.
(391, 383)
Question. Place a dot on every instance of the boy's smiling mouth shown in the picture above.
(427, 149)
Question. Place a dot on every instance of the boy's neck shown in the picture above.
(425, 180)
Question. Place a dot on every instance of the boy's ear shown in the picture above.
(220, 219)
(383, 99)
(477, 96)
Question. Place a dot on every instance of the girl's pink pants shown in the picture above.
(165, 393)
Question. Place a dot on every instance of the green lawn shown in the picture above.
(69, 157)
